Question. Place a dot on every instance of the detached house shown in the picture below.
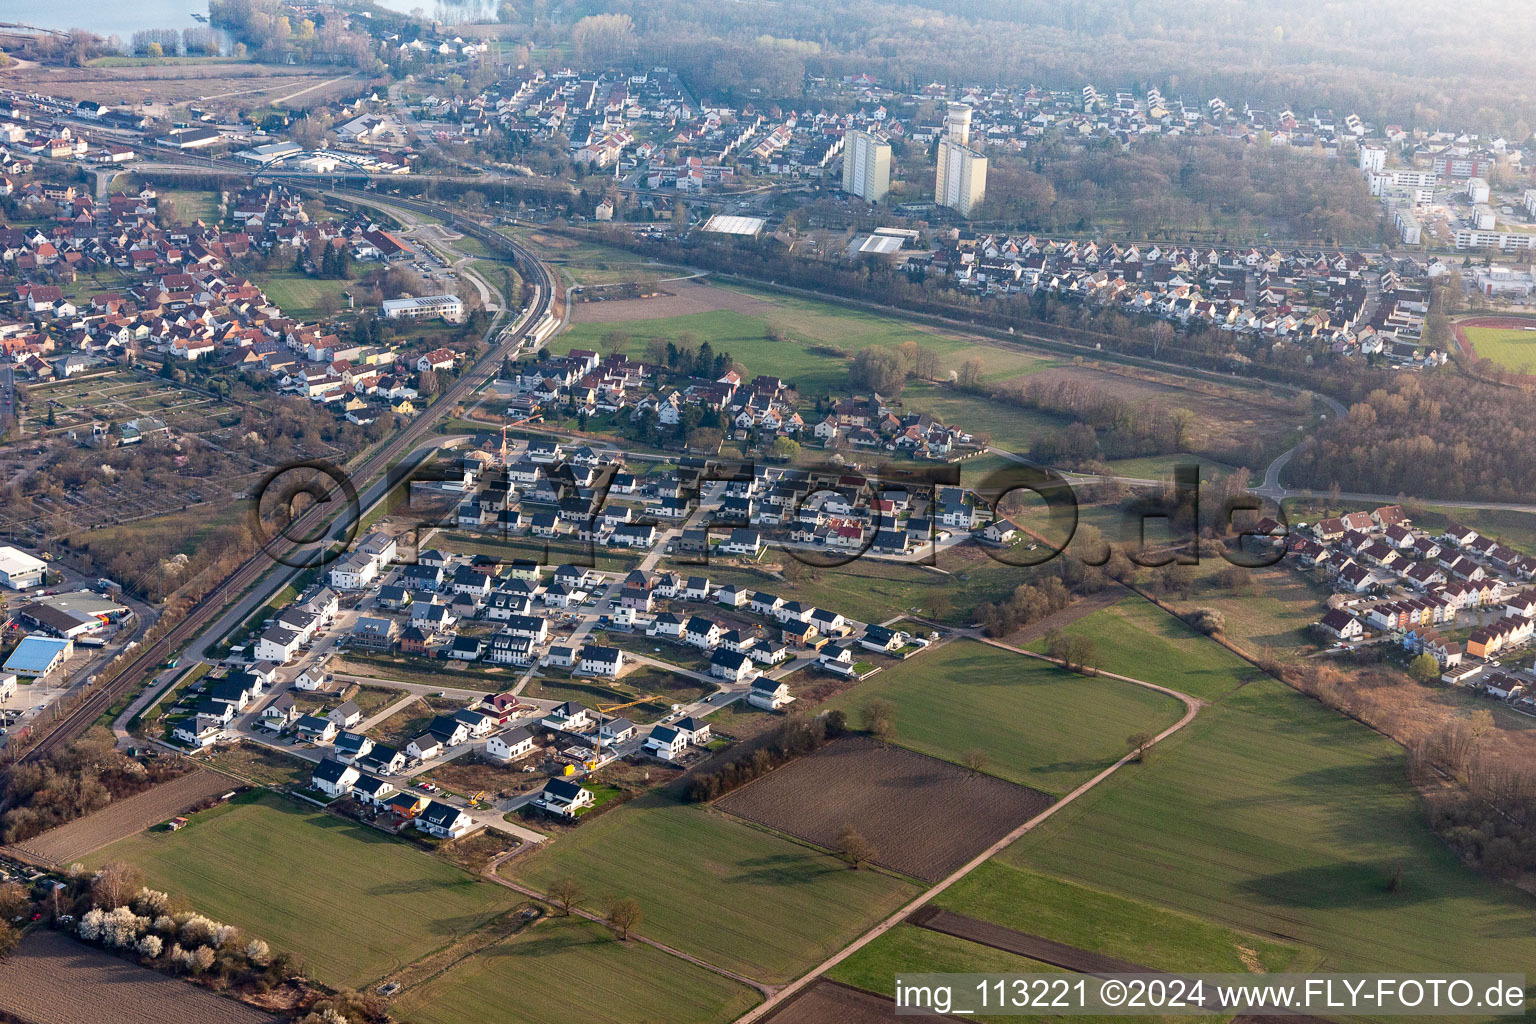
(769, 694)
(564, 798)
(444, 821)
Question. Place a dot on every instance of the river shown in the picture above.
(105, 19)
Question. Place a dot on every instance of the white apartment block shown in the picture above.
(866, 166)
(1408, 226)
(961, 180)
(1504, 241)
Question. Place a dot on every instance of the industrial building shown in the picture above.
(19, 570)
(425, 307)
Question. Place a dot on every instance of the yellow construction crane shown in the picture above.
(609, 709)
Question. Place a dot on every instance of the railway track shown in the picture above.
(211, 606)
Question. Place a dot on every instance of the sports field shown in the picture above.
(1137, 638)
(1038, 725)
(1513, 347)
(297, 294)
(569, 969)
(1273, 814)
(724, 891)
(350, 901)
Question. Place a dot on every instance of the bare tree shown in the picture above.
(624, 915)
(10, 938)
(975, 762)
(615, 342)
(879, 718)
(1140, 742)
(565, 894)
(13, 901)
(854, 848)
(115, 885)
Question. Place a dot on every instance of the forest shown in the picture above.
(1176, 188)
(1387, 62)
(1437, 435)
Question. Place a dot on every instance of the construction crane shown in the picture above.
(609, 709)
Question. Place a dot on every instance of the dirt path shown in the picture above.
(1033, 947)
(312, 88)
(1192, 707)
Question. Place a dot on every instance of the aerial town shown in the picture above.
(631, 513)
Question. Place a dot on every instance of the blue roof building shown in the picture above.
(39, 655)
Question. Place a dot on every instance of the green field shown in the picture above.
(821, 322)
(1136, 638)
(569, 969)
(1092, 919)
(193, 205)
(352, 902)
(1507, 346)
(298, 295)
(823, 339)
(1010, 427)
(1271, 813)
(744, 337)
(724, 891)
(1271, 613)
(908, 948)
(1039, 725)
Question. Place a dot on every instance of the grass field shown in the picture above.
(824, 338)
(719, 889)
(600, 981)
(1137, 638)
(298, 295)
(1508, 346)
(744, 337)
(1271, 614)
(1274, 814)
(1011, 427)
(350, 901)
(1039, 725)
(193, 204)
(1101, 922)
(907, 948)
(828, 323)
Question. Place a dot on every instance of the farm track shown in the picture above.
(122, 818)
(207, 610)
(1192, 708)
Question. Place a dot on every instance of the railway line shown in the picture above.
(534, 323)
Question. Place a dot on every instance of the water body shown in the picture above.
(121, 19)
(452, 12)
